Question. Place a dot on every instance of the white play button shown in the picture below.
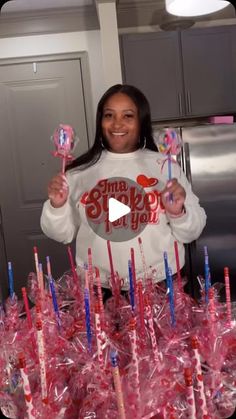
(116, 210)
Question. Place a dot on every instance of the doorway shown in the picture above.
(36, 95)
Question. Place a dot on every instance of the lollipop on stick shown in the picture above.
(169, 143)
(64, 139)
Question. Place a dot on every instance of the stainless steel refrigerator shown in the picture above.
(209, 160)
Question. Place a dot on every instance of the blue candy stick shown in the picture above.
(171, 298)
(10, 280)
(207, 274)
(166, 266)
(87, 318)
(54, 301)
(131, 286)
(53, 292)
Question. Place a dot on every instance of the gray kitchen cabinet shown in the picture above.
(209, 78)
(152, 63)
(183, 74)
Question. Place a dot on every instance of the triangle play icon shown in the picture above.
(116, 210)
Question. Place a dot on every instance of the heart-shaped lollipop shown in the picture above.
(64, 139)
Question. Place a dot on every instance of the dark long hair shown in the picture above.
(146, 137)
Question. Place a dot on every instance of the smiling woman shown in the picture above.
(120, 124)
(123, 160)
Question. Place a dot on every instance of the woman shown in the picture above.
(124, 147)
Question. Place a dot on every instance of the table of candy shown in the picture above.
(155, 353)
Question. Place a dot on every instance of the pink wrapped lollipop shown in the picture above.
(169, 143)
(64, 139)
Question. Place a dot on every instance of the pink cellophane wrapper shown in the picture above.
(78, 387)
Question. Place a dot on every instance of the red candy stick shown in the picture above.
(26, 387)
(135, 366)
(190, 393)
(228, 297)
(26, 303)
(99, 336)
(199, 377)
(149, 316)
(99, 291)
(42, 355)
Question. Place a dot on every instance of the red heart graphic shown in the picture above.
(146, 181)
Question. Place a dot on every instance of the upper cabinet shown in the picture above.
(152, 62)
(208, 71)
(183, 74)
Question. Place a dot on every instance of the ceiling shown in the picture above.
(130, 13)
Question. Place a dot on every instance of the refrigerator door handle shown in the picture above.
(187, 163)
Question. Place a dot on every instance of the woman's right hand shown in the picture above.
(58, 190)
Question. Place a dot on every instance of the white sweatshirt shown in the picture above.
(69, 222)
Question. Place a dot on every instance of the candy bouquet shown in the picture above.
(153, 353)
(147, 355)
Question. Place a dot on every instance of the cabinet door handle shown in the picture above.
(180, 104)
(189, 102)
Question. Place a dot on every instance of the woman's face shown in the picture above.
(120, 124)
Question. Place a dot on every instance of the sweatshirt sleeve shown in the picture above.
(190, 225)
(59, 224)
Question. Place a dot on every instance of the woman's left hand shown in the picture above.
(173, 198)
